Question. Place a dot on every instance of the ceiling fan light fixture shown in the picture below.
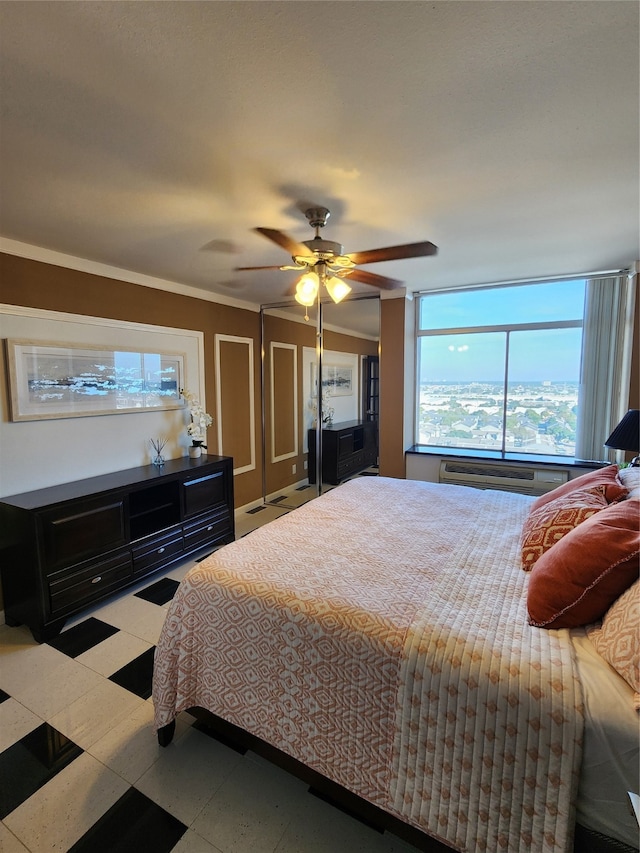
(337, 288)
(307, 289)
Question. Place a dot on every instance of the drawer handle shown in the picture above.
(96, 579)
(161, 550)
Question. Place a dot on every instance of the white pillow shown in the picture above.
(617, 638)
(630, 479)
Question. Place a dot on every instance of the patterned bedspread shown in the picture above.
(379, 635)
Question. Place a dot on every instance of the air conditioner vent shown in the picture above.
(490, 471)
(529, 480)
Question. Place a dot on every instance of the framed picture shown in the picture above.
(337, 380)
(54, 380)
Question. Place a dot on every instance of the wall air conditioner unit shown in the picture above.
(529, 480)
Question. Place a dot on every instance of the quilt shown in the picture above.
(379, 635)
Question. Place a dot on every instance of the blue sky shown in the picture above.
(540, 355)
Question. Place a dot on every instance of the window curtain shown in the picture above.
(606, 364)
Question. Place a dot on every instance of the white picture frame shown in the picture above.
(50, 380)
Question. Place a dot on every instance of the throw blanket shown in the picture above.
(379, 635)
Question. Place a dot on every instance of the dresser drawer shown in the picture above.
(352, 463)
(157, 550)
(78, 585)
(204, 493)
(206, 528)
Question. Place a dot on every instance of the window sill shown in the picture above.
(528, 458)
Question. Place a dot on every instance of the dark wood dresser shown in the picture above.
(347, 448)
(65, 547)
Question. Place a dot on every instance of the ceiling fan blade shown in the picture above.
(394, 253)
(239, 269)
(381, 281)
(288, 243)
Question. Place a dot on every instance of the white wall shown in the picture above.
(39, 453)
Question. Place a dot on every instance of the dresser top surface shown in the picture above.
(338, 427)
(128, 478)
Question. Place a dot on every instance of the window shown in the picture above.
(499, 368)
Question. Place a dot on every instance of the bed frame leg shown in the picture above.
(165, 734)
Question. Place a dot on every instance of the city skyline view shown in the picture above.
(540, 417)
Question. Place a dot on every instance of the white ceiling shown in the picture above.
(153, 136)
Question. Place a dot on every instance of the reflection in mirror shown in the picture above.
(350, 335)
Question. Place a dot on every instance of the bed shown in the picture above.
(380, 636)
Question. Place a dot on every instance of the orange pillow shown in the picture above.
(575, 582)
(546, 525)
(603, 477)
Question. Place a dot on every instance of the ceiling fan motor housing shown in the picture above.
(324, 250)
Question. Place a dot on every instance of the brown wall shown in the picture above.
(392, 390)
(301, 335)
(38, 285)
(278, 474)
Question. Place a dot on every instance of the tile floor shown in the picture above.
(80, 768)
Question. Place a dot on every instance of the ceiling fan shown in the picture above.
(323, 262)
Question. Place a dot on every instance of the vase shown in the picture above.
(195, 451)
(158, 460)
